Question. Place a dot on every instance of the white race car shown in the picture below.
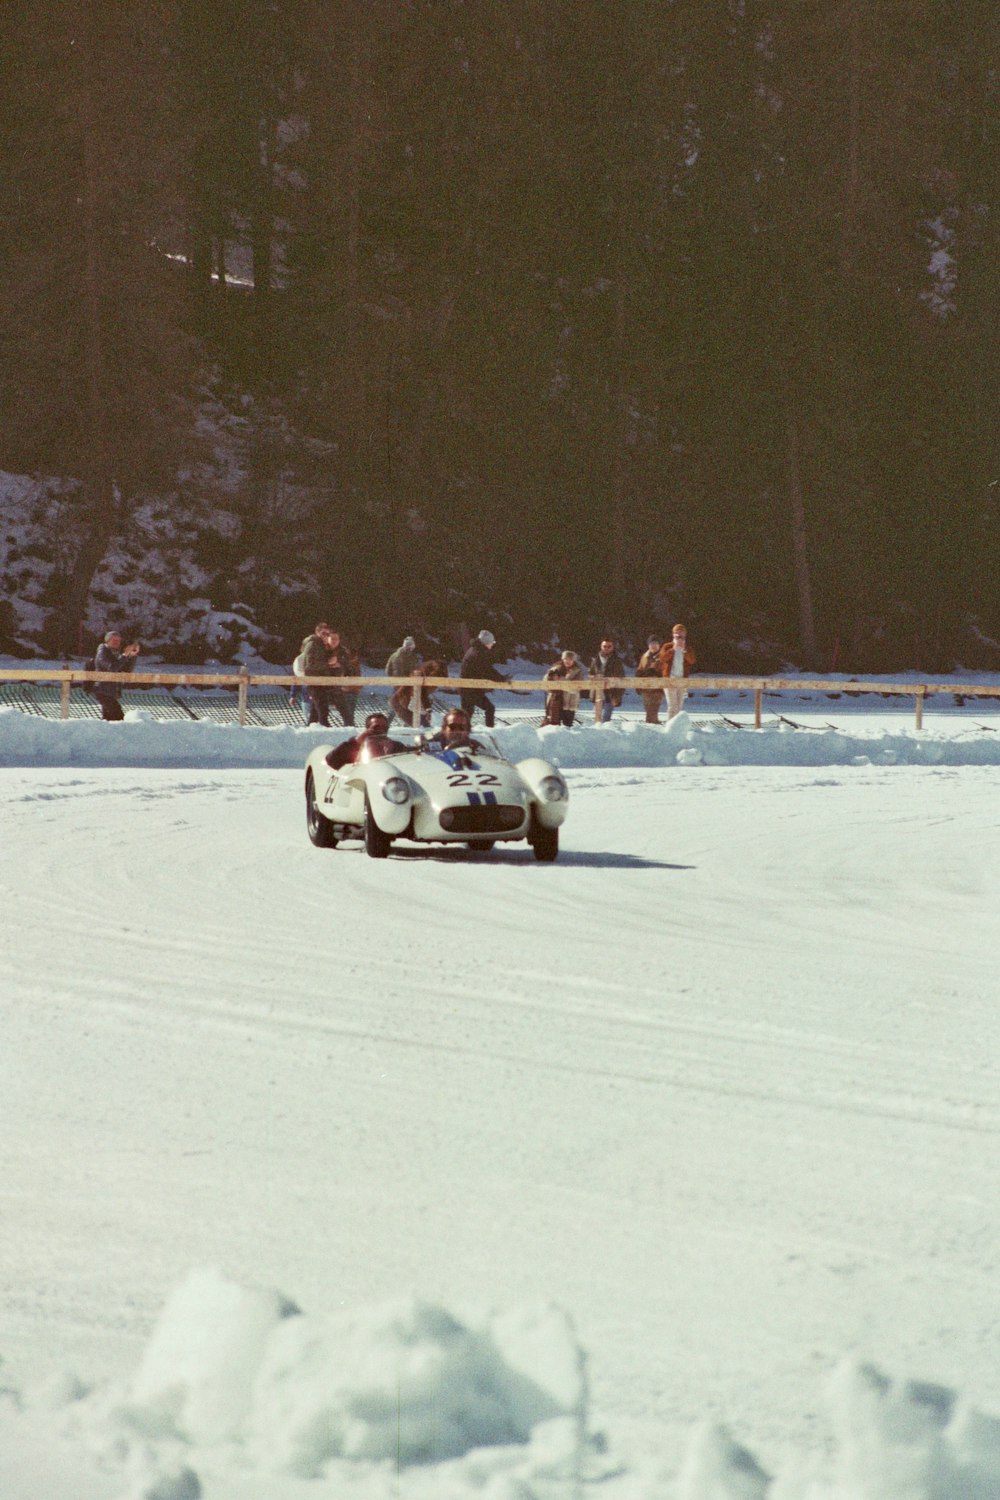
(433, 794)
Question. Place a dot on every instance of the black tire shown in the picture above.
(545, 842)
(377, 843)
(480, 846)
(319, 829)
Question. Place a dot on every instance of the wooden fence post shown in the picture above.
(920, 707)
(418, 705)
(758, 703)
(244, 680)
(64, 700)
(598, 702)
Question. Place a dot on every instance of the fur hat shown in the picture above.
(409, 644)
(487, 638)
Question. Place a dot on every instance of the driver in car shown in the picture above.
(372, 742)
(455, 732)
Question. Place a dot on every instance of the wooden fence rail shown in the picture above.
(241, 682)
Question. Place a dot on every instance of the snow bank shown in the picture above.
(408, 1384)
(28, 740)
(236, 1377)
(239, 1393)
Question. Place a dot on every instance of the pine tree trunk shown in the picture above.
(98, 488)
(359, 523)
(262, 247)
(803, 583)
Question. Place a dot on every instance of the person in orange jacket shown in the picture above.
(676, 661)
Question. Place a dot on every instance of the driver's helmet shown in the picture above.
(456, 725)
(377, 724)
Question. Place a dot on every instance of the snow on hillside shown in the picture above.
(189, 566)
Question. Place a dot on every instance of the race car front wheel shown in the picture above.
(377, 842)
(319, 829)
(545, 842)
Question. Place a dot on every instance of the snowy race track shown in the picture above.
(722, 1082)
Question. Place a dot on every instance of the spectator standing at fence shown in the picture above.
(112, 656)
(314, 655)
(339, 663)
(478, 662)
(607, 663)
(649, 666)
(402, 663)
(429, 668)
(298, 696)
(352, 659)
(676, 661)
(562, 702)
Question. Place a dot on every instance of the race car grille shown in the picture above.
(488, 818)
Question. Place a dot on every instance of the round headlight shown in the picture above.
(395, 789)
(553, 789)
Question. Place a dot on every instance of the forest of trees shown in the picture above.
(576, 315)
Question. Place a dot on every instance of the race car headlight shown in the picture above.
(552, 789)
(395, 789)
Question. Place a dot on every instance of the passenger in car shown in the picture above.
(372, 742)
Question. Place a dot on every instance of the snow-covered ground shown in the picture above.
(462, 1175)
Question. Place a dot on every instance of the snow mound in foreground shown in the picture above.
(239, 1394)
(407, 1383)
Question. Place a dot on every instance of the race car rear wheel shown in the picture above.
(319, 829)
(545, 842)
(377, 842)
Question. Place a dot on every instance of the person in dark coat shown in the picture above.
(112, 656)
(607, 663)
(341, 662)
(402, 663)
(478, 662)
(313, 657)
(323, 655)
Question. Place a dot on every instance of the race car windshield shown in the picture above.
(375, 746)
